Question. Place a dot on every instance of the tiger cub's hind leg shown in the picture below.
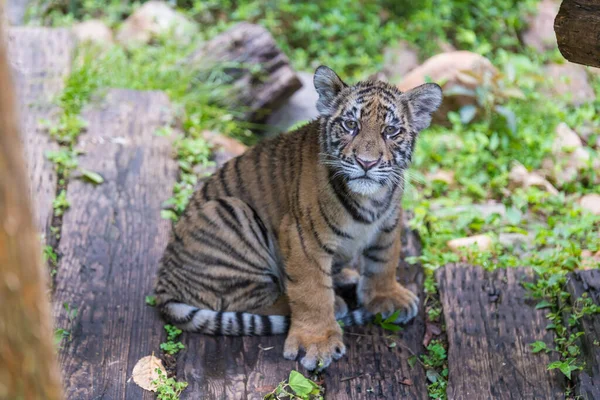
(221, 258)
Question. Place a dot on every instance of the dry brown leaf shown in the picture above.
(407, 382)
(144, 372)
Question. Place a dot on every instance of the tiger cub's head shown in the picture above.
(371, 128)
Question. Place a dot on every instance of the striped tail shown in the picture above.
(357, 317)
(223, 323)
(231, 323)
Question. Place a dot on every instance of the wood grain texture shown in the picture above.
(490, 324)
(40, 59)
(250, 367)
(577, 28)
(588, 381)
(112, 239)
(238, 50)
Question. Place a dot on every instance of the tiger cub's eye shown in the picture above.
(391, 131)
(350, 125)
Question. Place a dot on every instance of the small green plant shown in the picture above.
(61, 334)
(565, 321)
(67, 129)
(64, 160)
(171, 346)
(297, 387)
(60, 203)
(167, 388)
(388, 323)
(151, 301)
(92, 177)
(435, 363)
(50, 255)
(51, 258)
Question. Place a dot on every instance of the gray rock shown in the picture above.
(301, 107)
(569, 81)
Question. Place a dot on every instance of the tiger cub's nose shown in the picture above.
(366, 164)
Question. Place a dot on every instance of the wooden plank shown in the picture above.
(588, 381)
(112, 239)
(250, 367)
(577, 28)
(41, 59)
(490, 324)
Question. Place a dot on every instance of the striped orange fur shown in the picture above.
(263, 244)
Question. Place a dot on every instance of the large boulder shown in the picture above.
(457, 72)
(569, 81)
(540, 34)
(301, 107)
(94, 31)
(152, 19)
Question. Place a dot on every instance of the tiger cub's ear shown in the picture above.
(424, 101)
(328, 86)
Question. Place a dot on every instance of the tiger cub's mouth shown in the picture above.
(364, 185)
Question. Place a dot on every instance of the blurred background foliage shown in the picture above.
(347, 34)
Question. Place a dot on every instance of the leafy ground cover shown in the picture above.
(558, 235)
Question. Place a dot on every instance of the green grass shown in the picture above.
(348, 35)
(168, 388)
(296, 387)
(172, 346)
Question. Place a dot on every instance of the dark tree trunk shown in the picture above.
(577, 28)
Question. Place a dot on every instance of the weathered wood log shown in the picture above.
(587, 384)
(577, 28)
(112, 239)
(261, 75)
(40, 59)
(491, 323)
(249, 367)
(28, 368)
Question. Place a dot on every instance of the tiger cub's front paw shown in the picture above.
(321, 348)
(389, 299)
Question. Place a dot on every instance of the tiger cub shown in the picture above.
(260, 248)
